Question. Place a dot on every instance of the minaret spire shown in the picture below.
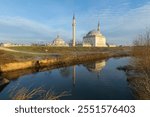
(98, 28)
(73, 16)
(73, 31)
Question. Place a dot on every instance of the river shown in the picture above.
(98, 80)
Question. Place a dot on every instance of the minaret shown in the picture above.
(74, 31)
(74, 75)
(98, 28)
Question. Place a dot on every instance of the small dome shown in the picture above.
(59, 42)
(58, 39)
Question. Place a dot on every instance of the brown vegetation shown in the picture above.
(140, 81)
(5, 57)
(37, 93)
(68, 50)
(11, 57)
(71, 59)
(141, 53)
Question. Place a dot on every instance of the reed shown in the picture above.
(140, 80)
(37, 93)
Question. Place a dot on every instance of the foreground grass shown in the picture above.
(37, 93)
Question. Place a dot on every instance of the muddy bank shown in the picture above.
(69, 59)
(138, 82)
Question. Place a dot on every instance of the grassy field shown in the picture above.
(65, 50)
(8, 57)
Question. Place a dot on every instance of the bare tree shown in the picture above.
(141, 64)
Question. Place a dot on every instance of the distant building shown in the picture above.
(9, 45)
(94, 38)
(1, 44)
(12, 44)
(111, 45)
(59, 42)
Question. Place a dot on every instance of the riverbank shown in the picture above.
(90, 80)
(138, 81)
(74, 56)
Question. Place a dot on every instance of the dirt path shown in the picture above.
(24, 52)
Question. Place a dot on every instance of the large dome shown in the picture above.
(93, 32)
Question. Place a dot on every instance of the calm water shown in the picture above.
(95, 80)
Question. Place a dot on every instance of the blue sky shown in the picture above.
(28, 21)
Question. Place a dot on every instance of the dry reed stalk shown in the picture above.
(26, 94)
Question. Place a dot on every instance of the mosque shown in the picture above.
(58, 41)
(93, 38)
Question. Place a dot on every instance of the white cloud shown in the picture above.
(127, 26)
(18, 29)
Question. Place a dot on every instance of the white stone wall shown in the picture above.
(100, 41)
(94, 41)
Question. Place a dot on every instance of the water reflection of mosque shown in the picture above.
(95, 67)
(69, 71)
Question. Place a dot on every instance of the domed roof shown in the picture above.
(94, 32)
(58, 39)
(59, 42)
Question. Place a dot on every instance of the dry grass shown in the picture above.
(50, 95)
(141, 53)
(64, 50)
(38, 93)
(140, 81)
(25, 94)
(141, 87)
(9, 57)
(6, 57)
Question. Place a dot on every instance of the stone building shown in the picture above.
(94, 38)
